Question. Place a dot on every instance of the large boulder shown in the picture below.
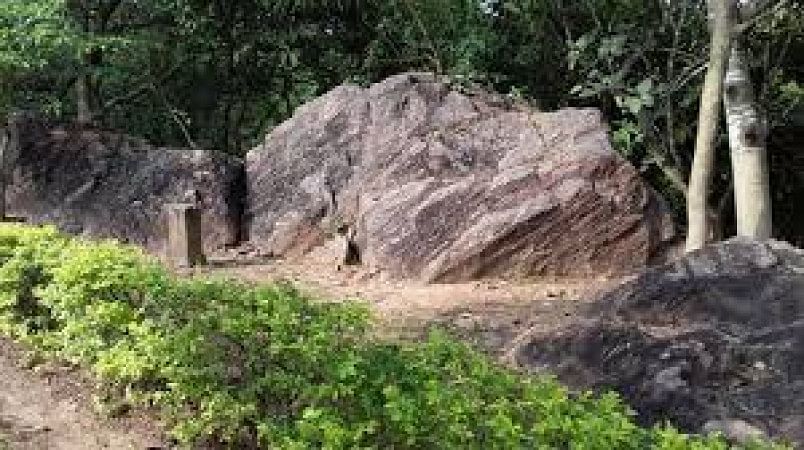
(434, 184)
(104, 184)
(713, 341)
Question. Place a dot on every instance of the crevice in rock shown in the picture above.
(352, 257)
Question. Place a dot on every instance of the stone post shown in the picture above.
(184, 243)
(9, 152)
(5, 141)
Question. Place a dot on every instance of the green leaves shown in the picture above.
(31, 32)
(626, 137)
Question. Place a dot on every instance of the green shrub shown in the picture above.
(26, 256)
(264, 366)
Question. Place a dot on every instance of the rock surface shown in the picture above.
(433, 184)
(103, 184)
(715, 339)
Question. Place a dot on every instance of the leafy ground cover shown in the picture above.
(264, 367)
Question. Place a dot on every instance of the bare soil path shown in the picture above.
(492, 314)
(50, 407)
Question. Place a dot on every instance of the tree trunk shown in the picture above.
(708, 116)
(749, 160)
(82, 100)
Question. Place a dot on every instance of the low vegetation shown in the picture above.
(244, 366)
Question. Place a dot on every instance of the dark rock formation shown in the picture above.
(103, 184)
(714, 338)
(434, 184)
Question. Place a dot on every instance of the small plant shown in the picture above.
(243, 366)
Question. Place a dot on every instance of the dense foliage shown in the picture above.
(243, 366)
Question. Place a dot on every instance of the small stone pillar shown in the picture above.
(4, 142)
(184, 244)
(9, 152)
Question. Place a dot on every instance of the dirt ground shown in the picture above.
(51, 407)
(493, 314)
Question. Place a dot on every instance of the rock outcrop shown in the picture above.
(713, 341)
(103, 184)
(433, 184)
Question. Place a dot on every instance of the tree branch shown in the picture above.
(176, 118)
(672, 173)
(144, 87)
(435, 58)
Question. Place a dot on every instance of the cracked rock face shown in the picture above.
(441, 186)
(108, 185)
(714, 340)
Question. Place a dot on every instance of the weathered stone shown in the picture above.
(103, 184)
(9, 150)
(735, 431)
(184, 242)
(717, 334)
(443, 186)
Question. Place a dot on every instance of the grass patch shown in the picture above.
(265, 367)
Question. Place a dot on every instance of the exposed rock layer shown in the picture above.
(434, 184)
(716, 337)
(104, 184)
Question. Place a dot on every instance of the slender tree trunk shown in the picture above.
(82, 100)
(83, 84)
(708, 117)
(749, 160)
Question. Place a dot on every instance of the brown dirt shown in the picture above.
(50, 407)
(493, 314)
